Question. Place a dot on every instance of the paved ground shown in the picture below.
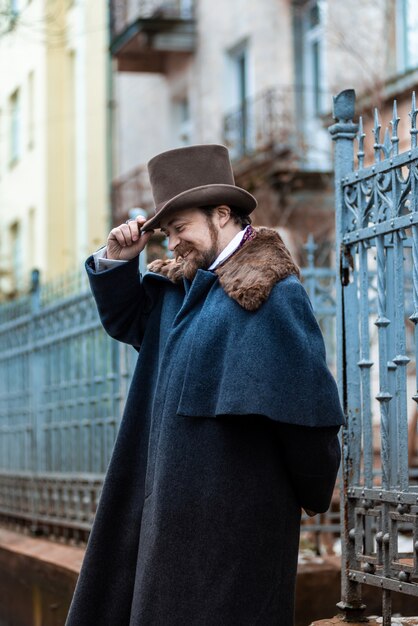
(38, 578)
(337, 621)
(373, 621)
(56, 554)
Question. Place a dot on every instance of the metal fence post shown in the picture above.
(310, 280)
(343, 132)
(35, 375)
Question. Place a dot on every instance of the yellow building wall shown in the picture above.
(55, 196)
(77, 150)
(60, 172)
(98, 139)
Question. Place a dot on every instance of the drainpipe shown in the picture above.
(109, 118)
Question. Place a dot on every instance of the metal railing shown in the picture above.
(377, 228)
(125, 12)
(63, 385)
(264, 122)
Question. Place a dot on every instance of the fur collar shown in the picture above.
(249, 275)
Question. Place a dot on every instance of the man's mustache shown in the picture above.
(181, 250)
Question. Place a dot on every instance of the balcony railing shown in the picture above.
(144, 31)
(263, 123)
(125, 12)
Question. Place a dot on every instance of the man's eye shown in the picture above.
(179, 229)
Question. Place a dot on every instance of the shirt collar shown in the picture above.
(229, 249)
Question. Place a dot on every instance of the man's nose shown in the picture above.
(173, 241)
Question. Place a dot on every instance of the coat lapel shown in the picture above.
(198, 289)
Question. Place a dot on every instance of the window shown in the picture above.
(1, 142)
(407, 34)
(237, 122)
(186, 8)
(15, 127)
(17, 252)
(31, 248)
(312, 99)
(15, 8)
(313, 75)
(181, 122)
(31, 105)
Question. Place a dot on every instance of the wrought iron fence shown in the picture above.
(63, 384)
(319, 283)
(322, 531)
(377, 229)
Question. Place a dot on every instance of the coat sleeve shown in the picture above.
(312, 457)
(121, 300)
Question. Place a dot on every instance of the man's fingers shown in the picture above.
(117, 234)
(145, 237)
(134, 227)
(140, 219)
(126, 241)
(126, 232)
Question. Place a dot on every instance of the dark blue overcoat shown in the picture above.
(229, 429)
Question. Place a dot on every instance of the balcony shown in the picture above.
(268, 138)
(144, 33)
(271, 128)
(263, 124)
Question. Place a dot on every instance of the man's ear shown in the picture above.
(224, 214)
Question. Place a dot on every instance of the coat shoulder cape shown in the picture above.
(267, 362)
(259, 350)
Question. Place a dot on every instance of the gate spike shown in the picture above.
(310, 247)
(376, 132)
(387, 144)
(394, 123)
(360, 138)
(413, 115)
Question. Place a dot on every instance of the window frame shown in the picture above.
(15, 130)
(403, 36)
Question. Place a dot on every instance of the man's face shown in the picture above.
(194, 238)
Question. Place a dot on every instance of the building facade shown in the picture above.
(54, 206)
(258, 77)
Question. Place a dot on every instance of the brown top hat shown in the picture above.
(194, 176)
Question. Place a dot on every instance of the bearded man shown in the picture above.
(231, 422)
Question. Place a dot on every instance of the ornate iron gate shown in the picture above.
(377, 314)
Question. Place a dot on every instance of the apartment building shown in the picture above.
(54, 206)
(258, 77)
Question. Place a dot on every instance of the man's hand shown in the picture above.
(126, 241)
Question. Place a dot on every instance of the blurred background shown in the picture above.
(89, 92)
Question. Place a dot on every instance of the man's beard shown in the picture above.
(201, 260)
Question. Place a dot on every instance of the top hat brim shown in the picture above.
(206, 195)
